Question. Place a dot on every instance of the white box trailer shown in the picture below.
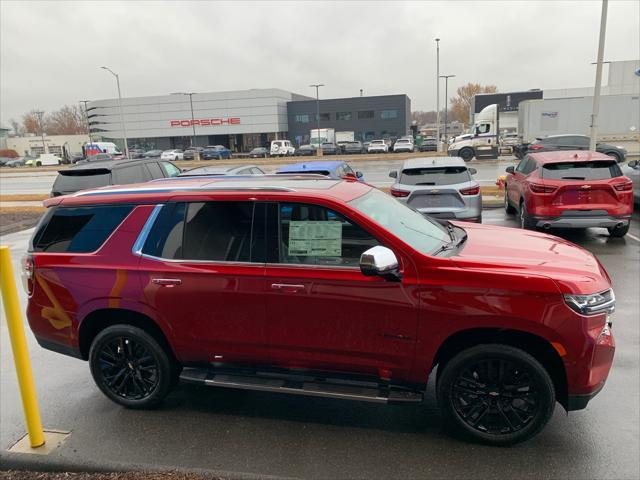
(618, 119)
(345, 137)
(325, 135)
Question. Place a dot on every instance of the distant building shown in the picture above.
(454, 128)
(52, 144)
(4, 132)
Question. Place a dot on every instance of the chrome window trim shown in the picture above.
(144, 233)
(208, 262)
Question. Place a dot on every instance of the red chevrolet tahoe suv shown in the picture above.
(570, 189)
(313, 286)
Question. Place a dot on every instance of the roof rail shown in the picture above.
(203, 188)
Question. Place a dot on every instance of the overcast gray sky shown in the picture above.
(51, 51)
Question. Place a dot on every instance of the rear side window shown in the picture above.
(66, 183)
(154, 170)
(435, 176)
(80, 229)
(132, 174)
(596, 170)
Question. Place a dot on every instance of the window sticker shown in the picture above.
(315, 238)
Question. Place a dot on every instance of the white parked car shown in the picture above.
(378, 146)
(281, 148)
(172, 155)
(403, 145)
(43, 160)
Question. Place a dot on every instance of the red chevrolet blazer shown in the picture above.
(313, 286)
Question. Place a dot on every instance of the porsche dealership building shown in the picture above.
(239, 120)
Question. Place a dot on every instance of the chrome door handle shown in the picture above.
(287, 287)
(167, 282)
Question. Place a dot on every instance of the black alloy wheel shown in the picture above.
(497, 394)
(131, 367)
(507, 205)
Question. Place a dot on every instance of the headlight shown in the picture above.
(596, 303)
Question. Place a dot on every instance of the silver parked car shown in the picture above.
(440, 187)
(206, 171)
(632, 170)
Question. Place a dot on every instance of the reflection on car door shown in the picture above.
(322, 312)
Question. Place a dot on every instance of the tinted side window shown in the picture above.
(165, 238)
(154, 170)
(170, 169)
(314, 235)
(530, 166)
(580, 141)
(80, 229)
(130, 174)
(521, 166)
(218, 231)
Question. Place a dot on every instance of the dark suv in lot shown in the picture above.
(111, 172)
(323, 287)
(569, 142)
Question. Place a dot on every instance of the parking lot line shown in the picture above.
(634, 237)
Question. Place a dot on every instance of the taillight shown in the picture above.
(399, 193)
(537, 188)
(535, 146)
(471, 190)
(624, 187)
(27, 273)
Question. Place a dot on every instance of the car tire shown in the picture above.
(508, 208)
(115, 360)
(526, 222)
(618, 232)
(482, 390)
(466, 154)
(38, 164)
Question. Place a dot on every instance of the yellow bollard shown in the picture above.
(20, 351)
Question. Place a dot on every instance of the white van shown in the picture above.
(101, 147)
(281, 148)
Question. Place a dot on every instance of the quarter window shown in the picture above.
(314, 235)
(132, 174)
(79, 230)
(154, 170)
(170, 169)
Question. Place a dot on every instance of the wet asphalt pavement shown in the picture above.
(248, 433)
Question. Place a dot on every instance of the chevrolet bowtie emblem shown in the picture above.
(585, 187)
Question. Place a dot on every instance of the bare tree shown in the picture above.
(69, 120)
(32, 123)
(16, 126)
(461, 103)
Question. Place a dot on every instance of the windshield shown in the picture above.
(597, 170)
(435, 176)
(420, 233)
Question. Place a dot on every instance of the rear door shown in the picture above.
(203, 275)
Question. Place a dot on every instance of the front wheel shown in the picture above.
(466, 154)
(495, 394)
(618, 232)
(38, 164)
(526, 222)
(131, 367)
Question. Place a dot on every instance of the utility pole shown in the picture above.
(193, 123)
(596, 92)
(360, 92)
(446, 103)
(86, 114)
(438, 93)
(124, 130)
(317, 86)
(39, 114)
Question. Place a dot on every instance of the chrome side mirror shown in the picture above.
(382, 262)
(510, 169)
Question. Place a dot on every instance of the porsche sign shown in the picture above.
(205, 122)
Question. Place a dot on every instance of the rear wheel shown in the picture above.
(526, 222)
(38, 164)
(615, 156)
(618, 232)
(131, 367)
(508, 208)
(466, 154)
(496, 394)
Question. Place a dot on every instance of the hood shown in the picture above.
(572, 268)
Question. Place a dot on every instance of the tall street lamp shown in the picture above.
(317, 86)
(446, 103)
(193, 123)
(124, 130)
(596, 91)
(438, 93)
(39, 114)
(86, 114)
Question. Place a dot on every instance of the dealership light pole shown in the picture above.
(193, 123)
(317, 86)
(438, 93)
(446, 102)
(39, 114)
(124, 130)
(596, 92)
(86, 114)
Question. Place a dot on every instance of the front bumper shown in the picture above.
(569, 221)
(453, 153)
(579, 402)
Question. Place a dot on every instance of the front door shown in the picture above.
(322, 312)
(203, 281)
